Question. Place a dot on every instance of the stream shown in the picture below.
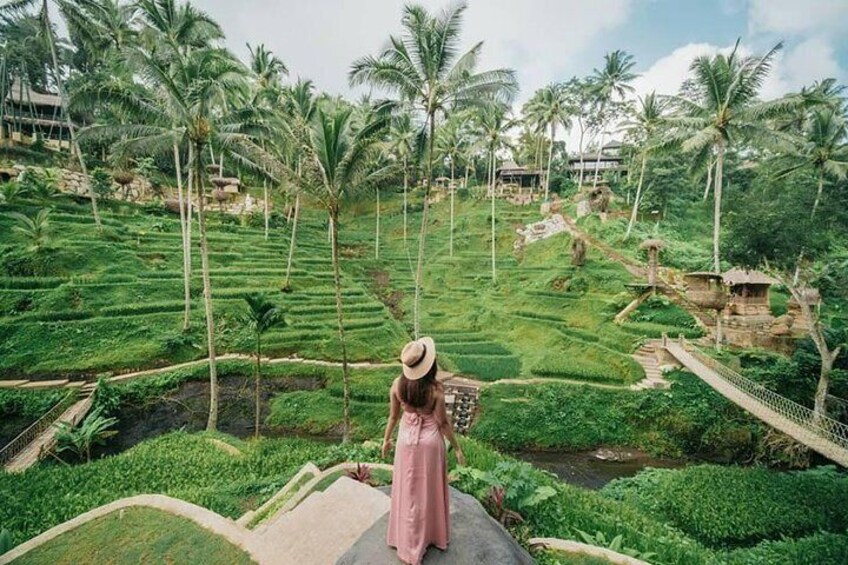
(594, 469)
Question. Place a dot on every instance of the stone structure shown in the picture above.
(540, 230)
(593, 199)
(653, 247)
(74, 182)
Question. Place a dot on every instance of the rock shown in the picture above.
(615, 455)
(475, 538)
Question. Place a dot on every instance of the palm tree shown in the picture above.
(298, 112)
(725, 108)
(823, 147)
(494, 123)
(267, 70)
(35, 230)
(261, 316)
(551, 109)
(403, 143)
(580, 98)
(643, 127)
(340, 164)
(70, 10)
(450, 142)
(424, 68)
(608, 84)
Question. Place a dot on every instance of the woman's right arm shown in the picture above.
(446, 426)
(394, 416)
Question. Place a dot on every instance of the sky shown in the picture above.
(553, 40)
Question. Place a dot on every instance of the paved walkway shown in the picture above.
(65, 383)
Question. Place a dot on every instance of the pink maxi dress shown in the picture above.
(419, 514)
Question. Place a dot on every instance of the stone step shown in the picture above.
(325, 525)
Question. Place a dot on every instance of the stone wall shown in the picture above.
(74, 182)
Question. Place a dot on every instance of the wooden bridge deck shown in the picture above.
(45, 441)
(824, 435)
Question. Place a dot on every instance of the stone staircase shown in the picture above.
(646, 356)
(324, 526)
(461, 404)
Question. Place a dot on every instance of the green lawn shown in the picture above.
(137, 535)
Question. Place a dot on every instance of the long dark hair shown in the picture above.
(419, 393)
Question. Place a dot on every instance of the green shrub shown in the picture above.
(732, 506)
(818, 549)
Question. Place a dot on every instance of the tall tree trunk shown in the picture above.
(494, 273)
(377, 239)
(292, 241)
(267, 216)
(423, 233)
(212, 422)
(709, 179)
(186, 255)
(598, 160)
(550, 161)
(189, 207)
(71, 131)
(334, 218)
(256, 382)
(452, 191)
(405, 198)
(827, 356)
(638, 199)
(580, 143)
(719, 172)
(818, 193)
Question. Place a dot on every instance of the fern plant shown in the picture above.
(36, 230)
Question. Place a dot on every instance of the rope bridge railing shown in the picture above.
(823, 426)
(14, 447)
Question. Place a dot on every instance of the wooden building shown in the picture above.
(512, 178)
(609, 160)
(29, 116)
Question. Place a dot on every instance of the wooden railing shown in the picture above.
(14, 447)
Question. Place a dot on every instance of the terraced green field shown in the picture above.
(113, 303)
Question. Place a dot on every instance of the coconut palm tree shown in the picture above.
(261, 316)
(494, 123)
(424, 67)
(450, 141)
(822, 147)
(404, 145)
(609, 84)
(550, 109)
(644, 128)
(724, 108)
(267, 70)
(340, 162)
(299, 106)
(70, 11)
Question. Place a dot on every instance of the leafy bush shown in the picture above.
(101, 182)
(818, 549)
(732, 506)
(30, 404)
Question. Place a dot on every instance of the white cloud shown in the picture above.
(318, 39)
(814, 59)
(667, 73)
(797, 16)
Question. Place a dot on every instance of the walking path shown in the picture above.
(65, 383)
(821, 434)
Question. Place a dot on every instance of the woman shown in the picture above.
(419, 515)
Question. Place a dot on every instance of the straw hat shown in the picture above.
(418, 357)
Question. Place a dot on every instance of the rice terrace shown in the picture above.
(624, 225)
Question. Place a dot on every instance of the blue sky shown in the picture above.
(546, 40)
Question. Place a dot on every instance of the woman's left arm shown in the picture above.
(394, 416)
